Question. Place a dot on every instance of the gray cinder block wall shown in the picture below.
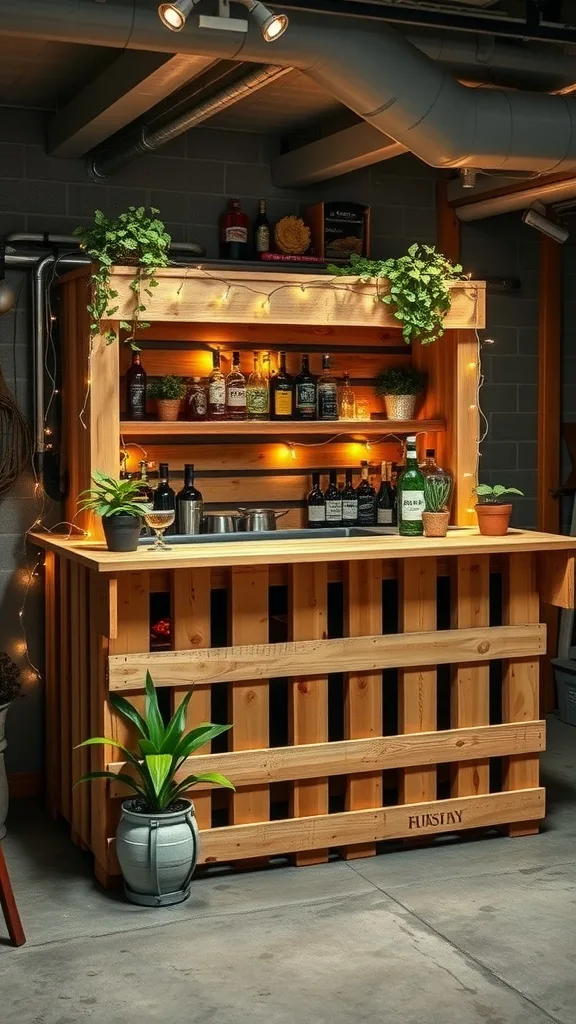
(189, 181)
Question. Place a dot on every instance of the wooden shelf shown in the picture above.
(293, 428)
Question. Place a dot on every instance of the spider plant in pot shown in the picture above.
(493, 509)
(399, 387)
(168, 393)
(157, 837)
(10, 689)
(437, 491)
(119, 503)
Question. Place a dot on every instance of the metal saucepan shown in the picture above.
(256, 520)
(217, 522)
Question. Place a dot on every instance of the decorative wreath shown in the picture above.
(292, 235)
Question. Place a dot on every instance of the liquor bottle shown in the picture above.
(196, 400)
(235, 391)
(257, 394)
(410, 487)
(429, 465)
(349, 502)
(234, 232)
(216, 390)
(386, 500)
(316, 505)
(261, 230)
(305, 392)
(164, 497)
(346, 400)
(366, 495)
(136, 389)
(327, 392)
(333, 498)
(145, 492)
(282, 392)
(189, 505)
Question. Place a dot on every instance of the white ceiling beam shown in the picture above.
(347, 150)
(134, 83)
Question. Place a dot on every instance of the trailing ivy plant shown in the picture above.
(418, 288)
(136, 236)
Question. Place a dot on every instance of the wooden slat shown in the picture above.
(196, 360)
(260, 336)
(76, 683)
(133, 637)
(373, 755)
(308, 697)
(261, 455)
(318, 657)
(556, 579)
(417, 690)
(362, 690)
(272, 428)
(103, 414)
(190, 608)
(520, 687)
(65, 692)
(84, 683)
(370, 826)
(101, 821)
(52, 702)
(470, 689)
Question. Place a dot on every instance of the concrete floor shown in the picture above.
(480, 932)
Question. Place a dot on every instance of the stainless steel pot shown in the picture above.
(256, 520)
(219, 522)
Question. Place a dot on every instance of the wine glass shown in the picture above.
(159, 520)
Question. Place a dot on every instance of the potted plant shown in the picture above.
(399, 388)
(10, 689)
(493, 510)
(437, 490)
(137, 238)
(168, 392)
(116, 501)
(157, 836)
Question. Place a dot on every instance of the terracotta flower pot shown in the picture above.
(493, 520)
(168, 408)
(435, 523)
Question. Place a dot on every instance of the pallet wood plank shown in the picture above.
(65, 692)
(556, 579)
(133, 636)
(76, 683)
(417, 687)
(101, 826)
(52, 705)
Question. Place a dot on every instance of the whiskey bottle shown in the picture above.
(145, 492)
(282, 392)
(386, 501)
(164, 497)
(189, 505)
(410, 488)
(327, 392)
(316, 504)
(366, 495)
(349, 502)
(235, 391)
(333, 498)
(429, 465)
(196, 400)
(257, 394)
(346, 400)
(305, 392)
(136, 389)
(216, 390)
(234, 232)
(261, 230)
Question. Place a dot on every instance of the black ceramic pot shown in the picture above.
(122, 532)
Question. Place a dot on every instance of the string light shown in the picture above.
(368, 446)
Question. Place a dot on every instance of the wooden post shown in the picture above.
(417, 693)
(52, 701)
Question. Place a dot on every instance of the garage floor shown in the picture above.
(476, 932)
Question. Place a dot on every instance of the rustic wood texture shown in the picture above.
(79, 702)
(133, 637)
(271, 428)
(417, 687)
(556, 579)
(470, 688)
(215, 457)
(101, 818)
(52, 704)
(65, 694)
(195, 359)
(308, 697)
(8, 904)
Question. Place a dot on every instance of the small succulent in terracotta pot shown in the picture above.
(437, 491)
(168, 392)
(493, 510)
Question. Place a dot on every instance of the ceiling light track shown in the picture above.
(173, 16)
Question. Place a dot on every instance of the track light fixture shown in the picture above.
(535, 217)
(173, 15)
(468, 177)
(271, 25)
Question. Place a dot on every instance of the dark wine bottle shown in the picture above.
(327, 392)
(333, 498)
(189, 505)
(261, 230)
(282, 392)
(366, 499)
(386, 501)
(349, 502)
(234, 232)
(306, 392)
(164, 497)
(136, 389)
(316, 505)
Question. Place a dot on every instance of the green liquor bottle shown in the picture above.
(410, 490)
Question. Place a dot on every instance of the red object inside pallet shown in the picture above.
(162, 629)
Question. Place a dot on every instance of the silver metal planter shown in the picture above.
(3, 779)
(400, 407)
(157, 854)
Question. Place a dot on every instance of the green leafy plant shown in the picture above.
(10, 684)
(162, 751)
(496, 495)
(418, 288)
(111, 497)
(136, 236)
(402, 380)
(163, 388)
(437, 490)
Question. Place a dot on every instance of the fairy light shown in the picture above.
(368, 446)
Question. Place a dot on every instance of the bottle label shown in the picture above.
(283, 403)
(137, 398)
(327, 402)
(349, 509)
(257, 401)
(217, 393)
(198, 403)
(367, 510)
(333, 511)
(236, 397)
(263, 238)
(306, 396)
(384, 516)
(316, 514)
(236, 233)
(412, 505)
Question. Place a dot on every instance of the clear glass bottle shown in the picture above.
(257, 394)
(349, 502)
(196, 400)
(316, 505)
(327, 391)
(346, 400)
(410, 489)
(429, 466)
(216, 390)
(386, 500)
(282, 392)
(333, 496)
(366, 495)
(305, 384)
(236, 391)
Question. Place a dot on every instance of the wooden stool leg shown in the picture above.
(8, 903)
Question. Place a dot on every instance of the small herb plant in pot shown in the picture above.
(493, 509)
(116, 501)
(168, 393)
(10, 689)
(399, 387)
(157, 836)
(437, 491)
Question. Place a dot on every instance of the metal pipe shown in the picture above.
(49, 239)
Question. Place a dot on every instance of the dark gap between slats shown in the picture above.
(390, 676)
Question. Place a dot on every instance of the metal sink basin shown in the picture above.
(224, 538)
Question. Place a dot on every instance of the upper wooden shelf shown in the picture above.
(291, 428)
(221, 296)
